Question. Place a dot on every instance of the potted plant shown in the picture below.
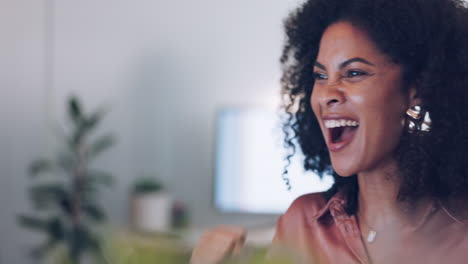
(150, 206)
(66, 189)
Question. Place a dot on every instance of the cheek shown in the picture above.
(393, 114)
(384, 116)
(314, 102)
(386, 101)
(391, 107)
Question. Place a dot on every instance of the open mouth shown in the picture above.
(341, 131)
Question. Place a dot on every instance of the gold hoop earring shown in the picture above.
(418, 120)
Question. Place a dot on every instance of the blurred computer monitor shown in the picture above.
(250, 160)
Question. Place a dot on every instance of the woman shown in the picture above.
(377, 92)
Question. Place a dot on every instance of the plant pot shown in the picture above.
(151, 212)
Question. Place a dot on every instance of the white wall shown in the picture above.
(164, 67)
(22, 115)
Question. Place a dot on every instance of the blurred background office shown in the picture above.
(165, 69)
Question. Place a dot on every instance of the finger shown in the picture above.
(237, 234)
(236, 231)
(212, 248)
(237, 248)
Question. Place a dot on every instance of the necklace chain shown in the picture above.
(372, 233)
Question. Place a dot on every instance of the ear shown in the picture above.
(413, 98)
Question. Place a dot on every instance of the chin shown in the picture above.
(344, 170)
(344, 174)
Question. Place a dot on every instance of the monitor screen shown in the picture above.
(250, 160)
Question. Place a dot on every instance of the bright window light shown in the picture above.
(250, 161)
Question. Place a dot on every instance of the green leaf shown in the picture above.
(53, 190)
(47, 195)
(94, 243)
(40, 166)
(81, 238)
(52, 227)
(91, 122)
(94, 212)
(74, 109)
(90, 240)
(33, 222)
(147, 185)
(66, 161)
(101, 144)
(55, 229)
(42, 250)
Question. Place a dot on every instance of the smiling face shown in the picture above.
(358, 100)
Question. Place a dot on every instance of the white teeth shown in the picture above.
(340, 123)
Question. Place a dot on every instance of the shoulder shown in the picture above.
(303, 212)
(456, 209)
(304, 227)
(309, 204)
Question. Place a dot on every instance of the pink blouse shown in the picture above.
(323, 232)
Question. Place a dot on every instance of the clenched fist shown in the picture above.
(218, 244)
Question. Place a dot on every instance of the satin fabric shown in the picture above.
(322, 232)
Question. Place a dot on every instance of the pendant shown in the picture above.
(371, 236)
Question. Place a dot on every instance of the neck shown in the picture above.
(378, 205)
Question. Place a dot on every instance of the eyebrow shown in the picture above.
(345, 63)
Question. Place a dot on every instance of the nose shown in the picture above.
(331, 95)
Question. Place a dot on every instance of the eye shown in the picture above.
(319, 76)
(354, 73)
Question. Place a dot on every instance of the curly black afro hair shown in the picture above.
(429, 39)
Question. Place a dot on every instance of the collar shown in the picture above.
(334, 211)
(335, 207)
